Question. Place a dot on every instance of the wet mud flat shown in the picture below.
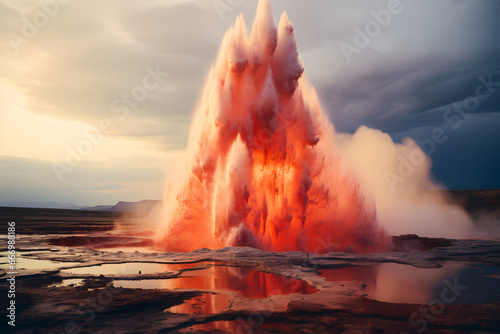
(94, 280)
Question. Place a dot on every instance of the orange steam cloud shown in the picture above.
(263, 168)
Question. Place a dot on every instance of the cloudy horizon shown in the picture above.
(96, 98)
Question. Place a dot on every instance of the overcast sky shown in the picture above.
(96, 97)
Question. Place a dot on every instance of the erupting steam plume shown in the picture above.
(264, 170)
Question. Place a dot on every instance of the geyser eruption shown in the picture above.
(263, 169)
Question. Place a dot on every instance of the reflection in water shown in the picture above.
(204, 304)
(389, 282)
(248, 282)
(236, 326)
(201, 276)
(394, 282)
(132, 268)
(125, 249)
(483, 285)
(140, 284)
(25, 262)
(245, 281)
(365, 274)
(242, 326)
(398, 283)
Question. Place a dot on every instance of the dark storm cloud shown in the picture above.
(406, 90)
(468, 158)
(412, 93)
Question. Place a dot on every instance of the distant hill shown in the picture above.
(141, 206)
(98, 207)
(42, 205)
(145, 205)
(478, 203)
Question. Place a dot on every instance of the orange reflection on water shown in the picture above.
(246, 281)
(235, 326)
(207, 303)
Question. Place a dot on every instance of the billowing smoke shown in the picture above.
(264, 168)
(397, 177)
